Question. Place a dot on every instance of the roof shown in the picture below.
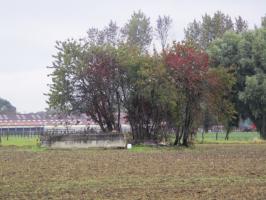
(41, 119)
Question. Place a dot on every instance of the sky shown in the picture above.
(29, 29)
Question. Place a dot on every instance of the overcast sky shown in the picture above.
(29, 29)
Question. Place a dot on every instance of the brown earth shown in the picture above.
(204, 172)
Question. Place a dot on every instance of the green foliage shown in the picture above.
(263, 22)
(138, 31)
(224, 52)
(63, 66)
(244, 55)
(230, 52)
(219, 103)
(202, 33)
(162, 29)
(240, 25)
(147, 97)
(254, 96)
(86, 80)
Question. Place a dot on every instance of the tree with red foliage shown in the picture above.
(97, 87)
(85, 81)
(188, 69)
(196, 85)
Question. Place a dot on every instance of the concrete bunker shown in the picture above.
(84, 139)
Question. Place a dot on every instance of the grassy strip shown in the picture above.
(234, 138)
(33, 143)
(20, 141)
(28, 143)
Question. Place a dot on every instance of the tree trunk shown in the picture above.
(118, 112)
(202, 136)
(177, 141)
(187, 125)
(185, 139)
(263, 128)
(227, 134)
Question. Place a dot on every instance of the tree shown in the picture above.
(254, 96)
(224, 52)
(218, 97)
(109, 35)
(241, 25)
(162, 29)
(138, 31)
(263, 22)
(188, 69)
(212, 28)
(65, 60)
(202, 33)
(84, 81)
(146, 94)
(193, 33)
(244, 55)
(6, 106)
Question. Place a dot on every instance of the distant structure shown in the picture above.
(41, 120)
(32, 122)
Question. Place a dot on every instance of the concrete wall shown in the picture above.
(100, 140)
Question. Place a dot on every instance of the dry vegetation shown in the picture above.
(205, 172)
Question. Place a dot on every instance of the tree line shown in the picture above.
(210, 76)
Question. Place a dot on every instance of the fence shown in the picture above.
(76, 137)
(28, 131)
(21, 131)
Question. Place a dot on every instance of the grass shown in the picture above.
(32, 143)
(29, 143)
(234, 138)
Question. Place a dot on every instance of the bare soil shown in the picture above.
(204, 172)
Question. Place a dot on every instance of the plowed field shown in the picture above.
(230, 171)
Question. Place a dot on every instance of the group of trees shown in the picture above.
(245, 57)
(114, 70)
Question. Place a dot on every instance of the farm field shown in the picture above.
(206, 171)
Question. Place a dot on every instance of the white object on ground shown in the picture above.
(129, 146)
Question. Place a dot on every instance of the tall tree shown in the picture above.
(244, 54)
(202, 33)
(84, 81)
(263, 22)
(145, 97)
(188, 69)
(138, 31)
(241, 25)
(255, 86)
(65, 60)
(162, 29)
(218, 97)
(193, 32)
(254, 96)
(224, 53)
(109, 35)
